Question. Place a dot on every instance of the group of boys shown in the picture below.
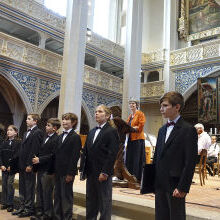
(54, 158)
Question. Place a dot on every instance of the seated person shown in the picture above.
(212, 155)
(204, 140)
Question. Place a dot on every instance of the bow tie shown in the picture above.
(98, 127)
(171, 123)
(65, 132)
(28, 130)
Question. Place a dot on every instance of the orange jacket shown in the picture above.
(138, 120)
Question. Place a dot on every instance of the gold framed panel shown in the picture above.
(199, 19)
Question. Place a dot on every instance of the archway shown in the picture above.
(12, 108)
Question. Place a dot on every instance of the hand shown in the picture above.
(35, 160)
(69, 178)
(28, 169)
(3, 168)
(178, 194)
(102, 177)
(9, 168)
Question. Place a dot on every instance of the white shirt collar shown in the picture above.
(68, 130)
(102, 125)
(175, 120)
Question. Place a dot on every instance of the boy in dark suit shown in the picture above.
(175, 160)
(31, 143)
(66, 157)
(43, 164)
(97, 164)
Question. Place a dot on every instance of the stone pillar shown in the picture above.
(98, 63)
(73, 58)
(91, 4)
(169, 42)
(132, 63)
(42, 41)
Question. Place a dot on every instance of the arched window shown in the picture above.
(153, 76)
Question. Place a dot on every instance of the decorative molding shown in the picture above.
(156, 56)
(183, 21)
(195, 53)
(152, 89)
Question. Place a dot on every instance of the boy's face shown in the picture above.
(50, 128)
(11, 133)
(30, 121)
(67, 124)
(100, 115)
(169, 111)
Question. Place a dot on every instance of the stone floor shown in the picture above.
(204, 198)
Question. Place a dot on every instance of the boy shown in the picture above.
(43, 163)
(66, 157)
(31, 143)
(175, 160)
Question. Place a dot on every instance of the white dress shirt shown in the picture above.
(48, 136)
(170, 128)
(97, 132)
(213, 150)
(30, 129)
(204, 141)
(64, 135)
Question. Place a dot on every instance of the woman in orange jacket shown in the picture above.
(135, 153)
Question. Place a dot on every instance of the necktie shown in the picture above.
(170, 123)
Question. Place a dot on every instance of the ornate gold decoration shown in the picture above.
(183, 20)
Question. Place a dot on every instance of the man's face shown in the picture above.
(30, 121)
(49, 128)
(100, 115)
(199, 130)
(169, 111)
(67, 124)
(213, 139)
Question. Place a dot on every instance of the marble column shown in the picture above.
(91, 4)
(73, 58)
(132, 63)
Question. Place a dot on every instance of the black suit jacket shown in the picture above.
(99, 157)
(46, 153)
(67, 154)
(9, 153)
(30, 147)
(175, 160)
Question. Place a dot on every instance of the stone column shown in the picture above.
(73, 58)
(169, 42)
(132, 63)
(98, 63)
(90, 19)
(42, 41)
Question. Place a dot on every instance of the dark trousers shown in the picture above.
(63, 199)
(39, 192)
(27, 190)
(210, 161)
(168, 207)
(48, 188)
(98, 198)
(7, 188)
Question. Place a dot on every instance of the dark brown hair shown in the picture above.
(173, 98)
(55, 122)
(16, 130)
(35, 117)
(71, 116)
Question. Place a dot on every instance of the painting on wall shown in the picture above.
(203, 15)
(207, 100)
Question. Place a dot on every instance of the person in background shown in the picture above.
(30, 145)
(135, 153)
(212, 155)
(43, 164)
(2, 132)
(204, 140)
(8, 151)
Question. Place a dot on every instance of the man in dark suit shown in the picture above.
(43, 164)
(66, 158)
(175, 160)
(31, 143)
(97, 165)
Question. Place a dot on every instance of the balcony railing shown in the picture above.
(152, 89)
(195, 53)
(156, 56)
